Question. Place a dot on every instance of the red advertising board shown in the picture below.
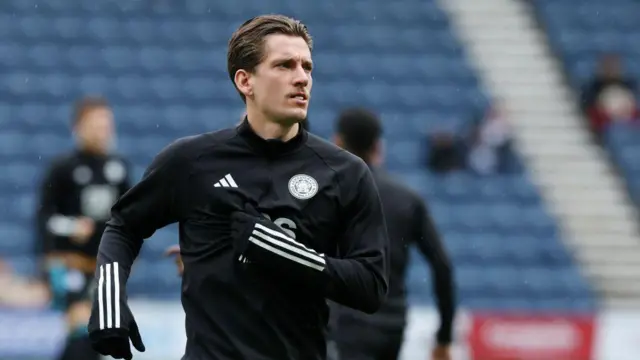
(537, 337)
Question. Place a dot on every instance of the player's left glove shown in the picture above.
(112, 325)
(259, 240)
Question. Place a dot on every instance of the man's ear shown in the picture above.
(377, 154)
(243, 82)
(337, 139)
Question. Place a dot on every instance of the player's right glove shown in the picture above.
(111, 324)
(259, 240)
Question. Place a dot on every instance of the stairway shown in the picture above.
(596, 218)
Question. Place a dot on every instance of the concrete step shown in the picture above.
(590, 225)
(620, 288)
(561, 181)
(532, 109)
(618, 303)
(517, 50)
(585, 197)
(548, 135)
(576, 163)
(605, 242)
(544, 119)
(613, 270)
(629, 255)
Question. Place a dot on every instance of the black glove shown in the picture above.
(258, 240)
(111, 324)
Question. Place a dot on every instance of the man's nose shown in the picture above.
(301, 77)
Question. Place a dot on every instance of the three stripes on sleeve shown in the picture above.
(109, 296)
(285, 247)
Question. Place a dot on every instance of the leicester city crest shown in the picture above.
(303, 186)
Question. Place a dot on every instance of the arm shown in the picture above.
(358, 279)
(428, 241)
(151, 204)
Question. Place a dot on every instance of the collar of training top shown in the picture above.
(271, 146)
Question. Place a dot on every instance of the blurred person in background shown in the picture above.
(358, 336)
(491, 142)
(380, 336)
(610, 96)
(76, 196)
(445, 153)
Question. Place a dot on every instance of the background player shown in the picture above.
(380, 336)
(77, 193)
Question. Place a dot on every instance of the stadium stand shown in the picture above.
(580, 35)
(163, 66)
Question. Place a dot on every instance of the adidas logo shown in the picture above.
(226, 181)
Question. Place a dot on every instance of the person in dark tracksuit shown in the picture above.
(273, 220)
(76, 196)
(359, 336)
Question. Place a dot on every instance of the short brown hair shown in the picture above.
(246, 46)
(87, 104)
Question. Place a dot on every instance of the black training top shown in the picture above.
(320, 195)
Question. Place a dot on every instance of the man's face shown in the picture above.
(281, 83)
(95, 130)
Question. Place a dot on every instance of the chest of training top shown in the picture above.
(92, 184)
(289, 183)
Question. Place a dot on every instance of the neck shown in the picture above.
(92, 150)
(269, 129)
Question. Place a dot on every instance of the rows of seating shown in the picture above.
(163, 66)
(580, 34)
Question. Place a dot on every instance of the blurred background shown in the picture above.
(517, 120)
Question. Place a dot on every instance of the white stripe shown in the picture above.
(108, 288)
(292, 248)
(216, 184)
(116, 296)
(284, 237)
(100, 302)
(231, 181)
(286, 255)
(224, 183)
(61, 225)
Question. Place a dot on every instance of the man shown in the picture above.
(273, 220)
(380, 336)
(77, 193)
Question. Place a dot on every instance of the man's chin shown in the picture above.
(293, 117)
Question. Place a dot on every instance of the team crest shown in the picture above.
(303, 186)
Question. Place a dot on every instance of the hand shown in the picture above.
(258, 240)
(115, 342)
(175, 251)
(242, 224)
(84, 228)
(441, 352)
(111, 324)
